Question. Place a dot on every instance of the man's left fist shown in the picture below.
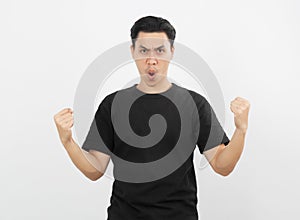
(240, 107)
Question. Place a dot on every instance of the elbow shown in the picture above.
(95, 176)
(224, 171)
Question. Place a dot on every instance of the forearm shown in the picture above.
(230, 155)
(80, 160)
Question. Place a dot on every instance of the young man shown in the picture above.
(173, 196)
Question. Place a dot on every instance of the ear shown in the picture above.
(132, 50)
(172, 51)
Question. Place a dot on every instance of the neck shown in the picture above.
(159, 87)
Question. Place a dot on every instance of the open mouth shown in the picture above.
(151, 74)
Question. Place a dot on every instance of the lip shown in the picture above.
(151, 74)
(151, 71)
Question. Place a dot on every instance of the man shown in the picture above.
(172, 196)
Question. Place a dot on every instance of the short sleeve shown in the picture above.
(100, 135)
(211, 133)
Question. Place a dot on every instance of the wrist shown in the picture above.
(241, 130)
(68, 143)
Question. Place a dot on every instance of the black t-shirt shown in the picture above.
(173, 196)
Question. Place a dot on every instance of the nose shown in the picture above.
(151, 61)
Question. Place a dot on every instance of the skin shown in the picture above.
(221, 158)
(92, 164)
(152, 40)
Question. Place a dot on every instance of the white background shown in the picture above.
(253, 49)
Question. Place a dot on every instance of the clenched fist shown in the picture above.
(64, 121)
(240, 107)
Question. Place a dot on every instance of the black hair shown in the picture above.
(152, 24)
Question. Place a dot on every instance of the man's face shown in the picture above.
(152, 54)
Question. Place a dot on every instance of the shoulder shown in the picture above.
(107, 101)
(200, 100)
(105, 104)
(197, 97)
(109, 98)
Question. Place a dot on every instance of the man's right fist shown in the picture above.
(64, 122)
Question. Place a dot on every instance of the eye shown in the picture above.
(160, 50)
(143, 51)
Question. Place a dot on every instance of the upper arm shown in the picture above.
(101, 160)
(211, 134)
(98, 160)
(212, 154)
(99, 141)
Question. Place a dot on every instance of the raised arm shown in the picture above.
(92, 164)
(223, 158)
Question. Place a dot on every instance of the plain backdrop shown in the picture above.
(252, 48)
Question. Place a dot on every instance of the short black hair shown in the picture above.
(152, 24)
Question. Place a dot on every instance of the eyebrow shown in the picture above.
(162, 46)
